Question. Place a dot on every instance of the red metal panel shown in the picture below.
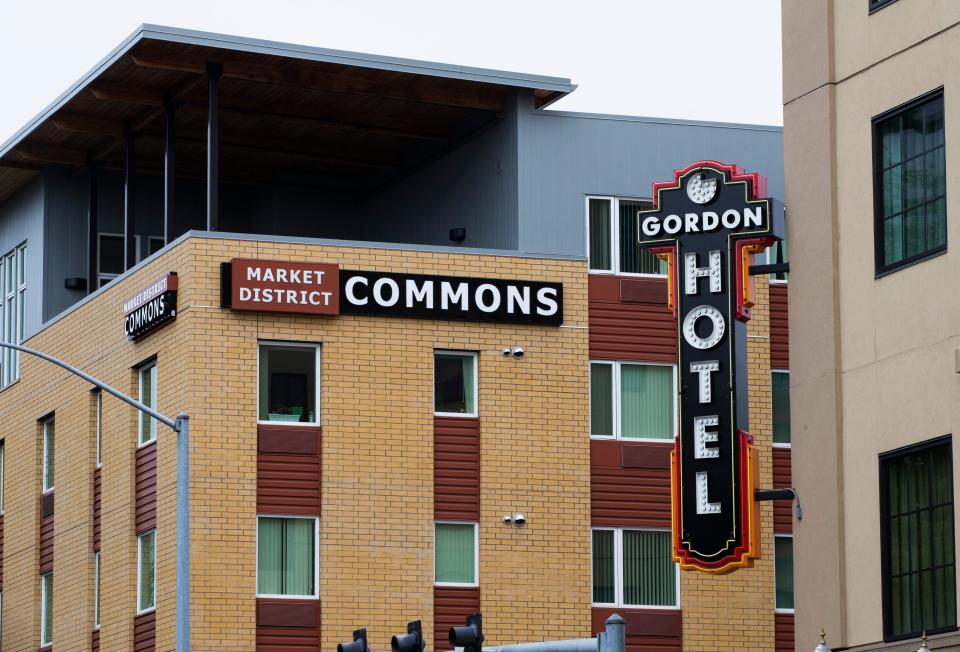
(456, 468)
(288, 477)
(782, 509)
(95, 641)
(288, 625)
(779, 331)
(630, 330)
(784, 633)
(46, 544)
(145, 632)
(635, 496)
(146, 488)
(648, 630)
(96, 509)
(451, 606)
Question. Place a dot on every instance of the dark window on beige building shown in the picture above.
(878, 4)
(916, 519)
(910, 205)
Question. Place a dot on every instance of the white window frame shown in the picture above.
(98, 425)
(96, 589)
(616, 366)
(140, 568)
(43, 610)
(614, 236)
(12, 297)
(476, 383)
(789, 444)
(773, 281)
(618, 570)
(316, 381)
(43, 472)
(316, 557)
(150, 367)
(777, 609)
(476, 554)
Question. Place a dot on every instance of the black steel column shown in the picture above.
(169, 170)
(214, 71)
(93, 229)
(129, 224)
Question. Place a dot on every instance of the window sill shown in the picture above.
(146, 443)
(290, 424)
(456, 415)
(783, 446)
(455, 585)
(597, 605)
(637, 440)
(6, 387)
(147, 611)
(784, 612)
(878, 7)
(269, 596)
(910, 262)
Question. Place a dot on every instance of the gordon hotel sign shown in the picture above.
(707, 223)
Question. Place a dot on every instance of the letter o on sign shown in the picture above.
(690, 327)
(394, 290)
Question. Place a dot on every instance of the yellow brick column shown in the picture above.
(735, 611)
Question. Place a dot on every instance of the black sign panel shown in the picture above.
(703, 220)
(424, 296)
(150, 308)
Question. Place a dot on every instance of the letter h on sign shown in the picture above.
(711, 218)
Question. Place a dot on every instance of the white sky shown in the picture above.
(693, 59)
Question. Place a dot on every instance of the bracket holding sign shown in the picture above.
(707, 223)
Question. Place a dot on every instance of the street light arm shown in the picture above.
(90, 379)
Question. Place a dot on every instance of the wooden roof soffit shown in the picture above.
(289, 74)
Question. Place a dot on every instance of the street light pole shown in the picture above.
(181, 426)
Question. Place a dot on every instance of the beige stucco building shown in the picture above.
(871, 122)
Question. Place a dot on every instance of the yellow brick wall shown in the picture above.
(376, 410)
(736, 611)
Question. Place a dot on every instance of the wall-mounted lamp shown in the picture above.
(516, 351)
(517, 519)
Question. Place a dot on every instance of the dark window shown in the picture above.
(454, 383)
(287, 386)
(781, 406)
(877, 4)
(635, 259)
(783, 572)
(910, 207)
(916, 517)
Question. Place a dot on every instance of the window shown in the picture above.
(110, 255)
(634, 568)
(13, 281)
(910, 207)
(289, 381)
(879, 4)
(98, 422)
(49, 440)
(147, 425)
(46, 609)
(455, 554)
(613, 236)
(146, 571)
(777, 254)
(783, 569)
(632, 401)
(780, 381)
(96, 590)
(917, 540)
(455, 384)
(287, 563)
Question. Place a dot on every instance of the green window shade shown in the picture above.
(781, 407)
(603, 567)
(601, 400)
(911, 201)
(46, 625)
(454, 389)
(649, 574)
(148, 396)
(455, 553)
(599, 216)
(287, 384)
(285, 556)
(148, 558)
(919, 544)
(784, 572)
(49, 446)
(635, 259)
(646, 402)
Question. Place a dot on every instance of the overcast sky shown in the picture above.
(693, 59)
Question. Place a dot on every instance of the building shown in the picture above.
(414, 337)
(869, 91)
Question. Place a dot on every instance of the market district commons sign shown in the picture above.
(325, 289)
(707, 223)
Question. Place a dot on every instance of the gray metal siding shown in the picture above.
(564, 157)
(21, 220)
